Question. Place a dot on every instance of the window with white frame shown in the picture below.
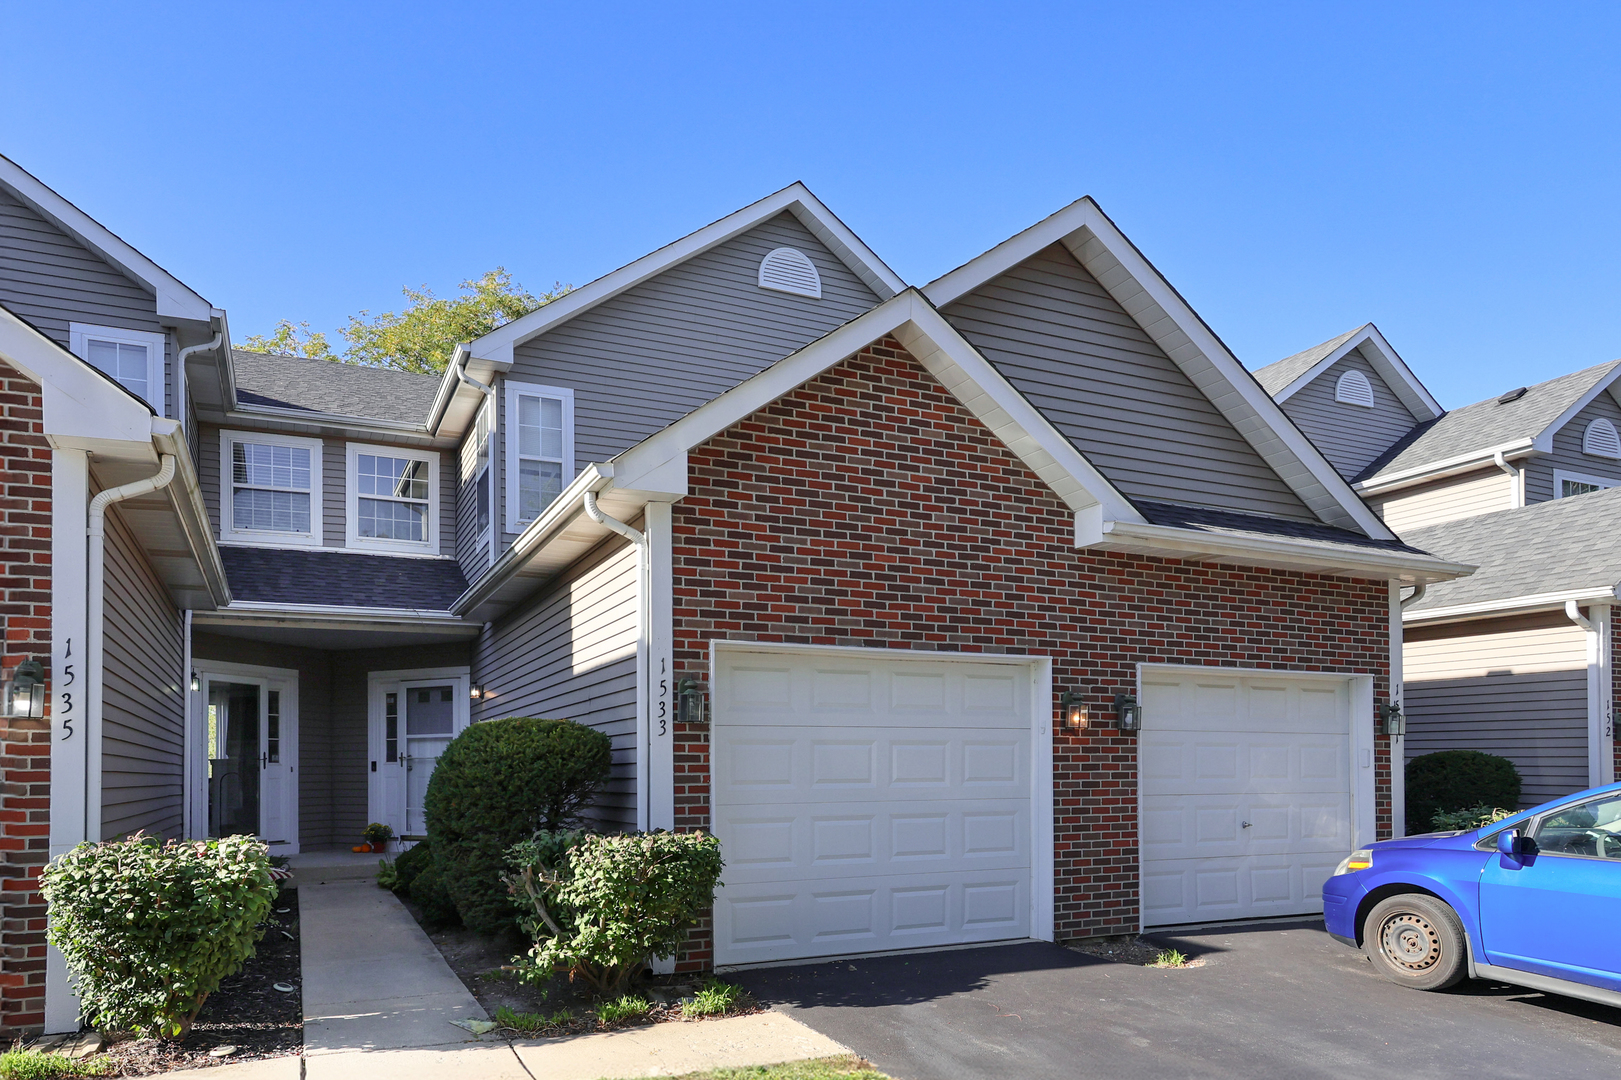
(393, 502)
(540, 449)
(134, 358)
(270, 489)
(1567, 484)
(481, 465)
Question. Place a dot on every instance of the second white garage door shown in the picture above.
(866, 804)
(1246, 794)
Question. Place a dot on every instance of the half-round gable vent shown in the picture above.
(1354, 389)
(790, 270)
(1600, 440)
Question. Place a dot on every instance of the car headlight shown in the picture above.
(1360, 859)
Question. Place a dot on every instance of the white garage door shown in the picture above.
(867, 804)
(1246, 792)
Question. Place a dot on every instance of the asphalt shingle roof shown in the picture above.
(341, 578)
(1204, 519)
(295, 382)
(1559, 546)
(1275, 376)
(1487, 423)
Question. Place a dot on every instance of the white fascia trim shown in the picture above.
(1531, 602)
(261, 609)
(939, 348)
(1385, 360)
(1544, 438)
(1440, 470)
(498, 344)
(174, 299)
(326, 419)
(1329, 559)
(1190, 344)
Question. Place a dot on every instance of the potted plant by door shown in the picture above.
(378, 835)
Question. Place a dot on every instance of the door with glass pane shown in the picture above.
(250, 730)
(413, 720)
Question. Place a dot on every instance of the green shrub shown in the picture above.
(606, 905)
(428, 892)
(20, 1064)
(716, 998)
(149, 930)
(1452, 780)
(1470, 817)
(408, 864)
(498, 783)
(622, 1010)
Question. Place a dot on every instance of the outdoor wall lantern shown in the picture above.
(196, 682)
(478, 692)
(690, 706)
(1391, 718)
(25, 694)
(1128, 714)
(1074, 710)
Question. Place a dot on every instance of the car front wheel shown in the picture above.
(1415, 940)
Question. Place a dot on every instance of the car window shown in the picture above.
(1591, 828)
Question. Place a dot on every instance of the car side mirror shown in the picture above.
(1511, 843)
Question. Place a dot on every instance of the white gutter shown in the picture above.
(1439, 470)
(95, 583)
(1532, 602)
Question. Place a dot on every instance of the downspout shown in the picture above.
(1417, 594)
(96, 531)
(1513, 478)
(180, 371)
(1574, 614)
(644, 649)
(207, 346)
(1600, 729)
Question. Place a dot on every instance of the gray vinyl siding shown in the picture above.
(654, 353)
(1567, 453)
(570, 652)
(1058, 336)
(1351, 437)
(143, 700)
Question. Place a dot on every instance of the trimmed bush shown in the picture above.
(1453, 780)
(428, 892)
(497, 783)
(603, 906)
(410, 863)
(149, 929)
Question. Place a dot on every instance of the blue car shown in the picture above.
(1533, 900)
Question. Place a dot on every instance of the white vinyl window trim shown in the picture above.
(1579, 483)
(132, 358)
(272, 497)
(392, 499)
(539, 444)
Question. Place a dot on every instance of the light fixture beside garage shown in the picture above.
(1072, 706)
(1128, 714)
(25, 693)
(690, 704)
(1392, 722)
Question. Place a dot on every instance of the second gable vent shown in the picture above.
(1600, 440)
(789, 270)
(1354, 389)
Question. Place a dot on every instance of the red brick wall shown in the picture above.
(25, 602)
(869, 508)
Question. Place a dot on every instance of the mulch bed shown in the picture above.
(246, 1011)
(1124, 949)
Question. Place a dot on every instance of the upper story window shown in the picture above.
(1600, 439)
(481, 465)
(790, 270)
(134, 358)
(393, 503)
(271, 489)
(540, 449)
(1354, 389)
(1566, 484)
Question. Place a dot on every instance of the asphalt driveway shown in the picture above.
(1282, 1001)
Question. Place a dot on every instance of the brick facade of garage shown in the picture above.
(869, 508)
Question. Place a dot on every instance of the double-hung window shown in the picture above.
(271, 489)
(540, 449)
(134, 358)
(1568, 484)
(393, 499)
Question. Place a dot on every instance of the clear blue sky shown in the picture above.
(1449, 171)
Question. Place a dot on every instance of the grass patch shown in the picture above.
(19, 1064)
(715, 999)
(528, 1023)
(625, 1010)
(833, 1068)
(1170, 958)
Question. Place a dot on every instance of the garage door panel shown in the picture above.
(1195, 763)
(1198, 890)
(933, 696)
(1181, 826)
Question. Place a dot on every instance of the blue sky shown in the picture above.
(1449, 171)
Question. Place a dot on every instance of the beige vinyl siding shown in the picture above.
(1517, 688)
(1351, 437)
(1567, 453)
(1058, 336)
(143, 700)
(570, 652)
(1483, 491)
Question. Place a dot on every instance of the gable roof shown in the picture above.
(1110, 257)
(1475, 431)
(330, 387)
(1283, 378)
(175, 300)
(1538, 555)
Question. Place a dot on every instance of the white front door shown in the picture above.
(250, 734)
(866, 803)
(1246, 794)
(413, 720)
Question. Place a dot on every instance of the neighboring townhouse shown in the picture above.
(1516, 659)
(1007, 607)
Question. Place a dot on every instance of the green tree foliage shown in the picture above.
(290, 339)
(149, 930)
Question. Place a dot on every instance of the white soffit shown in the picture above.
(1384, 359)
(1143, 292)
